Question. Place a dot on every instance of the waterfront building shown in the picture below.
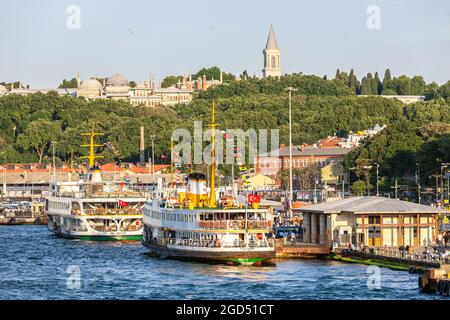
(372, 221)
(272, 66)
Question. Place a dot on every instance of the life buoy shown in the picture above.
(241, 225)
(250, 225)
(231, 225)
(268, 224)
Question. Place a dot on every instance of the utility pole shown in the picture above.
(378, 194)
(444, 166)
(290, 89)
(349, 184)
(396, 188)
(418, 182)
(153, 154)
(54, 161)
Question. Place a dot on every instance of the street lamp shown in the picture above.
(443, 166)
(290, 89)
(349, 184)
(378, 166)
(418, 182)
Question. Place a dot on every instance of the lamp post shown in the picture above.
(290, 89)
(443, 166)
(418, 182)
(349, 184)
(378, 166)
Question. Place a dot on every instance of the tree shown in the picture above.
(365, 87)
(444, 91)
(418, 85)
(169, 81)
(387, 80)
(38, 136)
(359, 187)
(353, 81)
(402, 85)
(431, 91)
(69, 84)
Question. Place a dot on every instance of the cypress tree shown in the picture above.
(352, 81)
(369, 83)
(365, 88)
(338, 74)
(387, 80)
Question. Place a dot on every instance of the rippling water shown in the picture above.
(34, 265)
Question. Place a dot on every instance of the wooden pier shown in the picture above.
(287, 249)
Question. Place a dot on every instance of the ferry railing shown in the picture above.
(425, 256)
(104, 211)
(215, 244)
(235, 224)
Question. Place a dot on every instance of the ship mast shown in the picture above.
(92, 156)
(212, 196)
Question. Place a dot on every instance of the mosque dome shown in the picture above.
(91, 84)
(117, 80)
(117, 85)
(90, 88)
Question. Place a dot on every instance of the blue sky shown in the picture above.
(136, 38)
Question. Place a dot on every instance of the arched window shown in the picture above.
(274, 62)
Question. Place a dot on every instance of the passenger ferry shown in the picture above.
(192, 225)
(92, 209)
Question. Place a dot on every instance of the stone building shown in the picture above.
(272, 66)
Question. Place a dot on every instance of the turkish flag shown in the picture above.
(123, 203)
(253, 198)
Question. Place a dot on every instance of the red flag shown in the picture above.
(253, 198)
(123, 203)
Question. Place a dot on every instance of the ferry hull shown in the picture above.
(235, 257)
(102, 237)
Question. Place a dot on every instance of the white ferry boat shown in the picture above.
(193, 225)
(93, 209)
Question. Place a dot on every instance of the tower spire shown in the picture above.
(271, 57)
(271, 40)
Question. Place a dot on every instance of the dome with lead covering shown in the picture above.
(91, 84)
(117, 80)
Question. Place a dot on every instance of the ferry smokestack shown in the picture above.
(142, 147)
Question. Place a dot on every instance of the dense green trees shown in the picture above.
(416, 133)
(402, 85)
(68, 84)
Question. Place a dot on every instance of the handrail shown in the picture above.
(235, 224)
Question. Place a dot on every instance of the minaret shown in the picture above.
(271, 57)
(78, 80)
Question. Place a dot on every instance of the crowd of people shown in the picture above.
(443, 239)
